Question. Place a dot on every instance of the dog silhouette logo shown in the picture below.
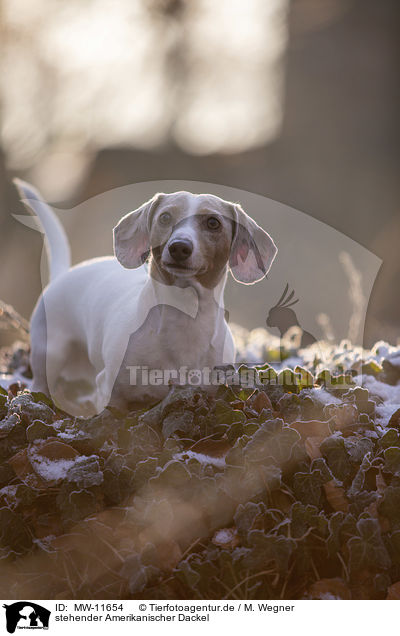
(26, 615)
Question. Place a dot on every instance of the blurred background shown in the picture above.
(296, 100)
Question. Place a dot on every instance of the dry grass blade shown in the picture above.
(11, 319)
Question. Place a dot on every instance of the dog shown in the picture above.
(100, 329)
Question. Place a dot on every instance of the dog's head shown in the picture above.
(194, 236)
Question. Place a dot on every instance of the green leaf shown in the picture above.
(181, 421)
(367, 550)
(361, 501)
(174, 474)
(390, 505)
(371, 368)
(392, 460)
(307, 487)
(85, 472)
(357, 448)
(15, 536)
(245, 516)
(38, 396)
(235, 430)
(118, 485)
(39, 430)
(334, 450)
(138, 575)
(268, 548)
(321, 466)
(225, 414)
(187, 574)
(391, 437)
(274, 440)
(9, 425)
(144, 471)
(334, 526)
(393, 540)
(357, 484)
(305, 517)
(76, 504)
(26, 407)
(146, 441)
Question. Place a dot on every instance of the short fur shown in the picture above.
(97, 320)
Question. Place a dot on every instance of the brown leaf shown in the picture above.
(212, 447)
(260, 401)
(14, 388)
(168, 555)
(394, 421)
(372, 509)
(282, 500)
(26, 463)
(343, 415)
(329, 589)
(380, 483)
(23, 469)
(238, 405)
(312, 428)
(394, 592)
(47, 525)
(336, 496)
(53, 449)
(312, 445)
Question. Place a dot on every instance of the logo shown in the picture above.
(26, 615)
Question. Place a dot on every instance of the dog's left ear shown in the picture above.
(252, 251)
(132, 234)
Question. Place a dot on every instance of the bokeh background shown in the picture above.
(295, 100)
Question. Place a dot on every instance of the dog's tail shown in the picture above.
(56, 241)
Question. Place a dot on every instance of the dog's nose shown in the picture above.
(180, 249)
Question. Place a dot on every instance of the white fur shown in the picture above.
(97, 320)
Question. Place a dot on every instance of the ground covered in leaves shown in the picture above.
(288, 490)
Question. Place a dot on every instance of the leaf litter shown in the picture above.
(286, 490)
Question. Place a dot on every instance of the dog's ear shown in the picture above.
(132, 234)
(252, 251)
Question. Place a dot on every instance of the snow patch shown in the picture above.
(206, 460)
(388, 393)
(51, 469)
(223, 536)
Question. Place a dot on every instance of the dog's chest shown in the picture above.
(169, 338)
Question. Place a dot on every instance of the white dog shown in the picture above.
(100, 324)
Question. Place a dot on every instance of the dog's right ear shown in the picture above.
(132, 234)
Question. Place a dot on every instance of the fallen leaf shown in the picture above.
(336, 496)
(312, 446)
(343, 415)
(312, 428)
(212, 447)
(53, 449)
(394, 592)
(23, 469)
(260, 401)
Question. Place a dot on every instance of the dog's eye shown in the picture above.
(213, 223)
(165, 218)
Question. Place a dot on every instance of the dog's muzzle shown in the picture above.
(180, 250)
